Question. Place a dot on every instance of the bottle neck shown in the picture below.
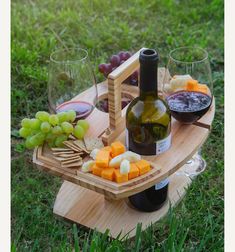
(148, 80)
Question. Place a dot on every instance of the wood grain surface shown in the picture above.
(91, 209)
(101, 204)
(186, 139)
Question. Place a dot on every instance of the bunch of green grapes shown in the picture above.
(53, 129)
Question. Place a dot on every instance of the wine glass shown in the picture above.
(188, 91)
(107, 63)
(70, 74)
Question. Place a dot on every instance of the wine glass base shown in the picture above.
(195, 166)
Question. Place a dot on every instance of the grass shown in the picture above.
(106, 28)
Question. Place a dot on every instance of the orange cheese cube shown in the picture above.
(192, 85)
(134, 171)
(203, 88)
(96, 170)
(108, 173)
(118, 177)
(143, 165)
(102, 159)
(109, 149)
(117, 148)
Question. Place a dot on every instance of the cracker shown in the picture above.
(60, 149)
(72, 137)
(80, 144)
(93, 143)
(64, 152)
(72, 146)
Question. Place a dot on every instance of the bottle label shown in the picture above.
(163, 145)
(161, 184)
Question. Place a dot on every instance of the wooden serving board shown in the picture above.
(45, 155)
(186, 139)
(76, 203)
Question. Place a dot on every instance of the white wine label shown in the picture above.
(127, 138)
(161, 184)
(163, 145)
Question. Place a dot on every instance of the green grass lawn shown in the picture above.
(104, 29)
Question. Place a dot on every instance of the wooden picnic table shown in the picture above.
(101, 204)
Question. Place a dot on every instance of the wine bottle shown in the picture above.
(148, 128)
(148, 119)
(152, 198)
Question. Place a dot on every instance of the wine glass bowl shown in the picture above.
(70, 74)
(106, 65)
(187, 84)
(103, 103)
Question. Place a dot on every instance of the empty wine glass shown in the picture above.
(70, 74)
(188, 91)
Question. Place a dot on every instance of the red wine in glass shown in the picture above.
(103, 105)
(82, 108)
(188, 106)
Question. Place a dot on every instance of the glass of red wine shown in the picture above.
(72, 83)
(188, 89)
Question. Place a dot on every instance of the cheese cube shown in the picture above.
(124, 166)
(203, 88)
(96, 170)
(119, 178)
(134, 171)
(109, 149)
(87, 166)
(143, 165)
(117, 148)
(192, 85)
(102, 159)
(178, 82)
(108, 173)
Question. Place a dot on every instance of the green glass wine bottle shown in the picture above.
(148, 119)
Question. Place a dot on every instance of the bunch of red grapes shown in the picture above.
(115, 61)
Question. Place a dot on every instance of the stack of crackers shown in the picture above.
(75, 151)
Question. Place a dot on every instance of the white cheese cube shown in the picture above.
(94, 153)
(86, 167)
(179, 81)
(128, 155)
(125, 166)
(131, 156)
